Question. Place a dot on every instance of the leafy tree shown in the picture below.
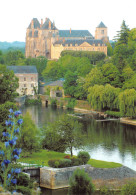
(70, 83)
(52, 71)
(66, 133)
(13, 57)
(95, 77)
(29, 140)
(111, 74)
(80, 183)
(8, 85)
(127, 102)
(103, 97)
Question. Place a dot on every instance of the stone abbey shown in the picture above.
(44, 39)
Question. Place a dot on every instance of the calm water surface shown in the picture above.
(109, 141)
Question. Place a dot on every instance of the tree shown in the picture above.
(127, 103)
(8, 85)
(70, 83)
(95, 77)
(14, 57)
(29, 140)
(67, 133)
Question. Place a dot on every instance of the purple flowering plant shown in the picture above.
(9, 154)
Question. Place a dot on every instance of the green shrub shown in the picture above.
(64, 163)
(80, 183)
(105, 190)
(53, 163)
(53, 102)
(75, 161)
(129, 189)
(84, 156)
(113, 113)
(24, 190)
(23, 180)
(32, 101)
(71, 103)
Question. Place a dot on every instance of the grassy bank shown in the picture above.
(42, 157)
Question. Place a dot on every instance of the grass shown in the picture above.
(42, 157)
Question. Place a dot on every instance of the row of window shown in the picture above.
(31, 78)
(32, 85)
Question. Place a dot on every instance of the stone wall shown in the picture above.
(53, 178)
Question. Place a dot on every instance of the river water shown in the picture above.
(108, 141)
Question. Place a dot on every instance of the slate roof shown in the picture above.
(36, 24)
(46, 25)
(23, 69)
(55, 83)
(75, 33)
(79, 42)
(101, 25)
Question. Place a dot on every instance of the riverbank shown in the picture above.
(128, 121)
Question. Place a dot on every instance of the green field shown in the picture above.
(42, 157)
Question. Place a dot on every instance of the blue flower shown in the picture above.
(9, 175)
(20, 121)
(17, 171)
(11, 110)
(9, 123)
(9, 116)
(14, 181)
(6, 134)
(6, 144)
(6, 162)
(17, 151)
(17, 113)
(12, 142)
(2, 152)
(16, 157)
(16, 130)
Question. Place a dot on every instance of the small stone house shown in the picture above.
(28, 79)
(53, 88)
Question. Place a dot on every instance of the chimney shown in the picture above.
(32, 24)
(49, 24)
(41, 23)
(70, 31)
(33, 32)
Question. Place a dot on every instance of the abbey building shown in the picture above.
(44, 39)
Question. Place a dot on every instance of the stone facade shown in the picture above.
(28, 79)
(44, 39)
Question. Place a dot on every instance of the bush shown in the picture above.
(53, 102)
(129, 189)
(64, 163)
(53, 163)
(32, 101)
(71, 103)
(105, 190)
(75, 161)
(113, 113)
(80, 183)
(24, 190)
(84, 156)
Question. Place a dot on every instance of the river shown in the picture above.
(108, 141)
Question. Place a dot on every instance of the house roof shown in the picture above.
(23, 69)
(55, 83)
(75, 33)
(46, 25)
(79, 42)
(35, 22)
(101, 25)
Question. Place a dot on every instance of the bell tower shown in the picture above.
(101, 32)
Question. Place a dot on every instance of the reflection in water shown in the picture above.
(109, 141)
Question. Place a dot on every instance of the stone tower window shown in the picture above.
(102, 32)
(24, 78)
(24, 85)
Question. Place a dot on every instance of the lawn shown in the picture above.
(42, 157)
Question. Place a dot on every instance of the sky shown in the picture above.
(15, 15)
